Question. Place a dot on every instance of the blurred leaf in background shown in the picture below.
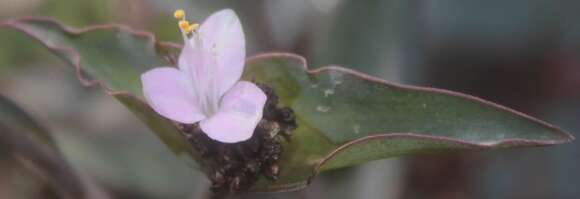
(33, 148)
(363, 35)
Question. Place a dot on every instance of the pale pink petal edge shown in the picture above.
(169, 93)
(240, 111)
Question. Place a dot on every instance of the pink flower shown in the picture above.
(206, 86)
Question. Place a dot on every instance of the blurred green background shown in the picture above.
(521, 53)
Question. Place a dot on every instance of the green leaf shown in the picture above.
(344, 117)
(112, 57)
(34, 148)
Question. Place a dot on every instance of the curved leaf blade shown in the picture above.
(361, 118)
(112, 57)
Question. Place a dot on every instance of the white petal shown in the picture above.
(222, 35)
(240, 111)
(200, 67)
(214, 58)
(169, 92)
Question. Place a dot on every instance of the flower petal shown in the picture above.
(200, 66)
(222, 36)
(240, 111)
(169, 93)
(214, 58)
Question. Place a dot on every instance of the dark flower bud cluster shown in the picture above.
(284, 116)
(236, 167)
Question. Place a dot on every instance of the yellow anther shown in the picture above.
(184, 25)
(179, 14)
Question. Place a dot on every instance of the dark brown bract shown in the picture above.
(236, 167)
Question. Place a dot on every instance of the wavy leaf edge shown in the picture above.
(565, 136)
(76, 57)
